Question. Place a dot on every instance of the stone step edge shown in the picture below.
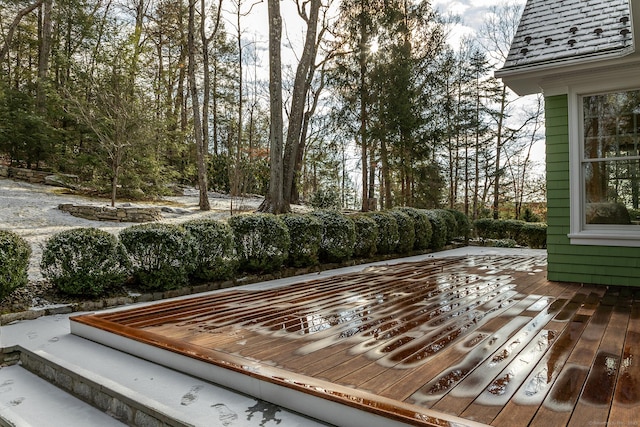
(116, 400)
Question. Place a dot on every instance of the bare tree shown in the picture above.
(301, 87)
(519, 162)
(497, 33)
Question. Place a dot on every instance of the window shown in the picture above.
(611, 158)
(605, 146)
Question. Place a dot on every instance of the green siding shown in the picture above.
(573, 263)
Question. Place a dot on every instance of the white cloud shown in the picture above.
(448, 7)
(457, 33)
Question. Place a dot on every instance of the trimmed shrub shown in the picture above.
(214, 249)
(162, 255)
(535, 235)
(338, 236)
(366, 236)
(439, 229)
(262, 241)
(450, 221)
(305, 232)
(500, 243)
(485, 228)
(14, 262)
(422, 226)
(513, 229)
(463, 227)
(523, 233)
(406, 231)
(84, 261)
(388, 235)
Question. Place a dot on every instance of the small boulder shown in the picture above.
(62, 180)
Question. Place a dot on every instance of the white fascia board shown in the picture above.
(529, 79)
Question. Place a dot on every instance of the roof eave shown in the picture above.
(526, 79)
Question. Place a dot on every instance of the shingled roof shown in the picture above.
(553, 33)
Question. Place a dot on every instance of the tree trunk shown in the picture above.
(295, 193)
(364, 41)
(236, 177)
(43, 57)
(274, 202)
(195, 105)
(4, 50)
(301, 87)
(386, 174)
(496, 184)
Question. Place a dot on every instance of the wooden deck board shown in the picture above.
(599, 387)
(626, 401)
(484, 338)
(560, 402)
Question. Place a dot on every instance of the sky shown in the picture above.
(471, 12)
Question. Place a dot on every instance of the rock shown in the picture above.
(62, 180)
(175, 211)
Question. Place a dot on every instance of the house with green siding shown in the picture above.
(582, 56)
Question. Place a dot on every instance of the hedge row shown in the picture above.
(158, 256)
(14, 262)
(531, 234)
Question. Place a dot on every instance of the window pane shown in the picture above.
(611, 125)
(612, 191)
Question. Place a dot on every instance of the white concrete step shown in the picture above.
(126, 386)
(27, 400)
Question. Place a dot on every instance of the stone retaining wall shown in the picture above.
(34, 177)
(39, 177)
(115, 214)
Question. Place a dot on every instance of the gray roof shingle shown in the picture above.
(558, 30)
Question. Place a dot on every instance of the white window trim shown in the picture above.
(602, 235)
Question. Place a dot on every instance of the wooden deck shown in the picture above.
(487, 339)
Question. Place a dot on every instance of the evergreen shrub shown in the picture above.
(523, 233)
(214, 249)
(484, 228)
(451, 223)
(439, 229)
(84, 262)
(512, 229)
(305, 232)
(338, 236)
(388, 234)
(14, 262)
(423, 231)
(406, 231)
(162, 255)
(262, 241)
(535, 235)
(366, 236)
(463, 227)
(501, 243)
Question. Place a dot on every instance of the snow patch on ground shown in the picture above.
(31, 210)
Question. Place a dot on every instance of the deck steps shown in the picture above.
(28, 400)
(75, 380)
